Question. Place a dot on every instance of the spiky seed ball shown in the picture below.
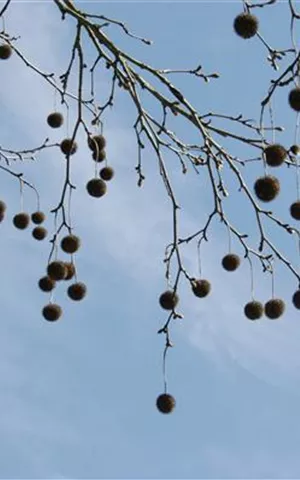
(107, 173)
(38, 217)
(296, 299)
(165, 403)
(201, 287)
(70, 244)
(21, 220)
(57, 270)
(245, 25)
(46, 284)
(231, 262)
(254, 310)
(295, 149)
(5, 51)
(39, 233)
(55, 120)
(96, 187)
(2, 206)
(275, 155)
(77, 291)
(68, 147)
(267, 188)
(295, 210)
(70, 270)
(168, 300)
(99, 155)
(97, 142)
(52, 312)
(294, 99)
(274, 308)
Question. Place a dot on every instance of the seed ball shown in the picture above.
(5, 51)
(107, 173)
(294, 99)
(70, 270)
(21, 220)
(68, 147)
(2, 206)
(52, 312)
(296, 299)
(57, 270)
(165, 403)
(231, 262)
(46, 284)
(254, 310)
(275, 155)
(245, 25)
(201, 288)
(2, 216)
(168, 300)
(70, 244)
(38, 217)
(77, 291)
(55, 120)
(295, 210)
(97, 142)
(96, 187)
(295, 149)
(267, 188)
(99, 155)
(39, 233)
(274, 308)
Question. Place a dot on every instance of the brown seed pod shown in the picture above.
(294, 99)
(5, 51)
(107, 173)
(70, 244)
(55, 120)
(254, 310)
(275, 155)
(77, 291)
(2, 206)
(274, 308)
(165, 403)
(39, 233)
(70, 270)
(296, 299)
(68, 147)
(96, 187)
(295, 149)
(57, 270)
(38, 217)
(46, 284)
(231, 262)
(168, 300)
(52, 312)
(97, 142)
(245, 25)
(267, 188)
(201, 287)
(99, 155)
(21, 220)
(2, 216)
(295, 210)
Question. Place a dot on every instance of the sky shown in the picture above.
(78, 396)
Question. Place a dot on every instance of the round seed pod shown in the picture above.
(201, 287)
(275, 155)
(52, 312)
(274, 308)
(70, 270)
(168, 300)
(21, 220)
(68, 147)
(107, 173)
(296, 299)
(38, 217)
(165, 403)
(295, 149)
(70, 244)
(97, 142)
(55, 120)
(267, 188)
(5, 51)
(2, 206)
(294, 99)
(295, 210)
(245, 25)
(39, 233)
(96, 187)
(254, 310)
(77, 291)
(99, 155)
(57, 270)
(46, 284)
(231, 262)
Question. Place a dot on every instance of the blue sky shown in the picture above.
(78, 396)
